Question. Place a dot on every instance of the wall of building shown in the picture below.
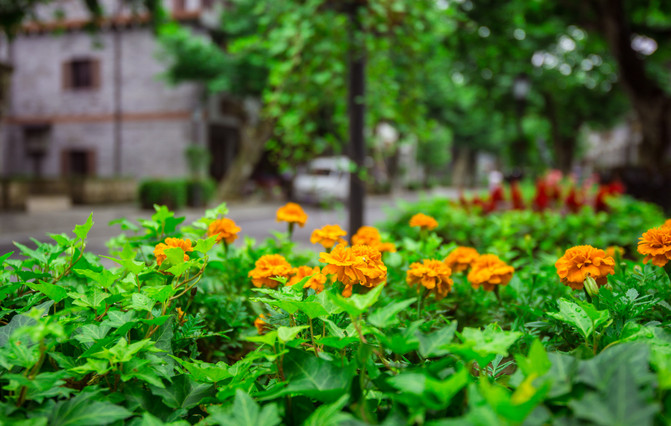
(156, 119)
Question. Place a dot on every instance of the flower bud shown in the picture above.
(591, 286)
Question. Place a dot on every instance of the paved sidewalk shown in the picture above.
(257, 219)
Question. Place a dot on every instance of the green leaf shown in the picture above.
(585, 318)
(420, 389)
(203, 246)
(387, 316)
(86, 409)
(286, 334)
(205, 371)
(621, 404)
(433, 345)
(356, 304)
(314, 377)
(184, 392)
(536, 362)
(330, 414)
(245, 412)
(515, 406)
(53, 292)
(482, 346)
(142, 302)
(88, 300)
(105, 278)
(133, 266)
(5, 256)
(82, 231)
(268, 338)
(313, 309)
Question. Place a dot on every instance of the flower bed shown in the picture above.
(446, 318)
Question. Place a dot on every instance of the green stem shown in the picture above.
(312, 337)
(291, 230)
(420, 302)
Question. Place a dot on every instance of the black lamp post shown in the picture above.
(521, 88)
(357, 111)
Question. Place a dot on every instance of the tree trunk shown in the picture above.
(253, 139)
(652, 104)
(564, 146)
(463, 167)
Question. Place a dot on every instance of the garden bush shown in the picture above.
(196, 325)
(172, 193)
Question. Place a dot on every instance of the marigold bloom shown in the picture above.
(461, 258)
(613, 250)
(655, 244)
(423, 221)
(316, 282)
(292, 213)
(667, 223)
(489, 271)
(328, 236)
(432, 274)
(159, 250)
(180, 315)
(260, 324)
(225, 229)
(355, 265)
(579, 262)
(268, 267)
(370, 236)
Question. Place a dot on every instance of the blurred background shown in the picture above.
(184, 102)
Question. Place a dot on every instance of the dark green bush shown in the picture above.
(200, 192)
(169, 192)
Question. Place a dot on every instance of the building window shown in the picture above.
(81, 74)
(78, 162)
(179, 5)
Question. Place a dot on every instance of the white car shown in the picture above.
(326, 179)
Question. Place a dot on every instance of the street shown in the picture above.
(257, 220)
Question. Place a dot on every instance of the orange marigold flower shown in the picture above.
(489, 271)
(432, 274)
(423, 221)
(667, 223)
(655, 244)
(613, 250)
(355, 265)
(328, 236)
(370, 236)
(268, 267)
(260, 324)
(180, 315)
(292, 213)
(159, 250)
(461, 258)
(225, 229)
(316, 282)
(579, 262)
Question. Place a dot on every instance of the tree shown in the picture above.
(298, 54)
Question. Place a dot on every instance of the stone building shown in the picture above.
(93, 104)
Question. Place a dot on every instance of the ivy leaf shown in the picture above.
(205, 371)
(482, 346)
(53, 292)
(203, 246)
(387, 315)
(88, 300)
(82, 231)
(184, 392)
(141, 302)
(584, 317)
(105, 278)
(356, 304)
(87, 408)
(286, 334)
(246, 412)
(432, 345)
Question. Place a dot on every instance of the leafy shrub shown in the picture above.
(200, 192)
(155, 341)
(171, 193)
